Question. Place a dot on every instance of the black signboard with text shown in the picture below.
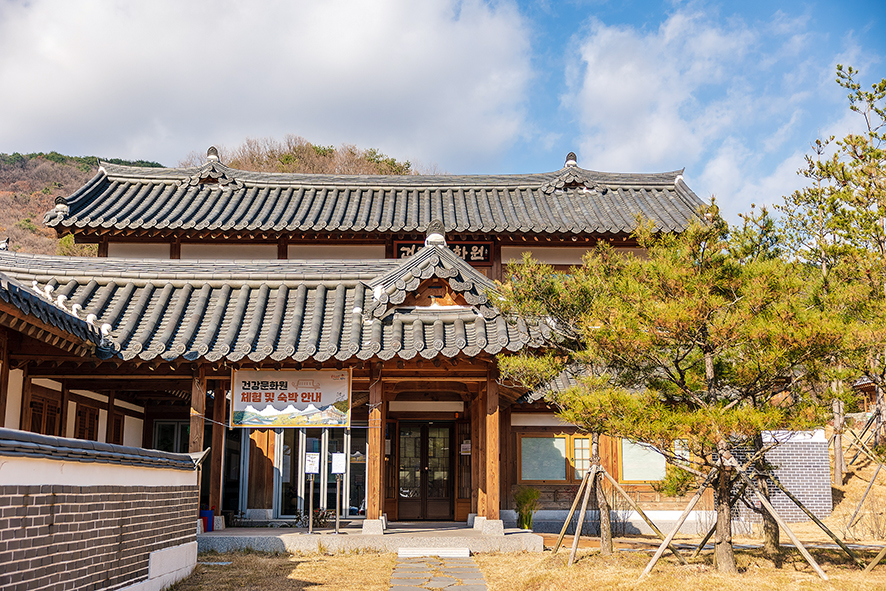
(476, 253)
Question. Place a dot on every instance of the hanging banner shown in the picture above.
(291, 398)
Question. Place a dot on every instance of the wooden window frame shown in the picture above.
(570, 456)
(621, 466)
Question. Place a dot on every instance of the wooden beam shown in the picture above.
(376, 437)
(66, 398)
(4, 374)
(493, 442)
(198, 409)
(216, 471)
(109, 425)
(25, 418)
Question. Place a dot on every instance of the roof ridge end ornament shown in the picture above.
(571, 160)
(213, 172)
(436, 233)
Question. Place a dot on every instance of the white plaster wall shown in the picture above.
(103, 426)
(229, 251)
(93, 395)
(47, 383)
(336, 251)
(132, 431)
(425, 406)
(71, 428)
(537, 419)
(552, 255)
(25, 471)
(14, 399)
(167, 566)
(138, 250)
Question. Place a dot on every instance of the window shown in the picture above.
(45, 416)
(116, 433)
(553, 458)
(171, 436)
(87, 422)
(640, 463)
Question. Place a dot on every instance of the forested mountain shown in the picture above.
(29, 183)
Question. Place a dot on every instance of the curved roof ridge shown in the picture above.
(178, 174)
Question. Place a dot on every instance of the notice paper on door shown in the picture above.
(338, 463)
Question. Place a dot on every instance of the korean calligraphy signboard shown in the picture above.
(476, 253)
(291, 398)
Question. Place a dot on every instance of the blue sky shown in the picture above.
(734, 92)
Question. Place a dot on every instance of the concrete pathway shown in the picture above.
(452, 574)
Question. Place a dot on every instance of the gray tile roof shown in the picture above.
(275, 310)
(568, 378)
(217, 198)
(32, 445)
(46, 309)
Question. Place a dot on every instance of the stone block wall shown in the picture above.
(89, 537)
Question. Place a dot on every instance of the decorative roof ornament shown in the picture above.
(571, 160)
(213, 173)
(436, 234)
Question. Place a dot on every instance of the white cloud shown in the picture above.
(735, 104)
(638, 95)
(442, 80)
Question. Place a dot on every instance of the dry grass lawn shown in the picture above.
(548, 572)
(255, 571)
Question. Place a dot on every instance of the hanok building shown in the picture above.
(209, 270)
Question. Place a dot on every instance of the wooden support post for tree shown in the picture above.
(863, 431)
(839, 460)
(818, 522)
(667, 541)
(581, 487)
(711, 531)
(876, 560)
(780, 522)
(640, 512)
(864, 496)
(581, 516)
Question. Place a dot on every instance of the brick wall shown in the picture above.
(802, 467)
(88, 537)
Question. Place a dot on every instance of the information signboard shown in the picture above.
(291, 398)
(338, 463)
(312, 463)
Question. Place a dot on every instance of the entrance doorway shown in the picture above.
(425, 474)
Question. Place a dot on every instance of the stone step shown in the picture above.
(440, 552)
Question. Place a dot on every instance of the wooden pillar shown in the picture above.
(475, 453)
(63, 418)
(375, 461)
(25, 417)
(4, 375)
(493, 442)
(109, 425)
(481, 451)
(216, 471)
(198, 409)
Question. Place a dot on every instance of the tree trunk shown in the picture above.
(602, 501)
(771, 541)
(723, 552)
(839, 460)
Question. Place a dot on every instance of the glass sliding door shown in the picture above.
(293, 485)
(289, 472)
